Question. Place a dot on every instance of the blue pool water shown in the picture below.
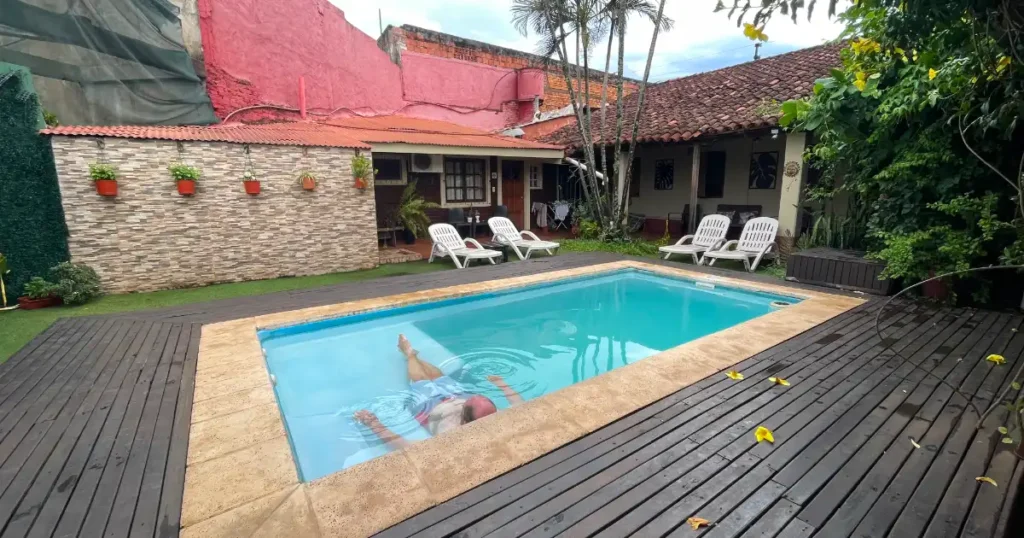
(539, 339)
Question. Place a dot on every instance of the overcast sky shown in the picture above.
(701, 40)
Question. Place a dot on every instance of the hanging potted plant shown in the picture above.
(39, 294)
(105, 178)
(252, 185)
(412, 213)
(186, 177)
(362, 169)
(308, 180)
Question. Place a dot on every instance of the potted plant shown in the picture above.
(104, 176)
(412, 213)
(39, 294)
(186, 177)
(308, 180)
(252, 185)
(362, 169)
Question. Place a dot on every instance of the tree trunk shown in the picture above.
(642, 92)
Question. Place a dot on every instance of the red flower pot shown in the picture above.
(252, 187)
(308, 183)
(32, 304)
(106, 187)
(186, 187)
(360, 183)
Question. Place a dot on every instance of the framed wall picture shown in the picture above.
(764, 170)
(664, 174)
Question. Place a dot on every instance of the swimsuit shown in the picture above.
(438, 403)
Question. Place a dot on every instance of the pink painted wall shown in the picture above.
(256, 50)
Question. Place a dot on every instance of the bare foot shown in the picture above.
(406, 347)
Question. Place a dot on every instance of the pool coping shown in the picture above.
(241, 477)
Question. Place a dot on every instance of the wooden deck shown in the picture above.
(94, 418)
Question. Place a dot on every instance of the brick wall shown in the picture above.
(151, 238)
(556, 93)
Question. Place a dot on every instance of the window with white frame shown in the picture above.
(465, 180)
(536, 178)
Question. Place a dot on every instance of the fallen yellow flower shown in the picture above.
(996, 359)
(697, 522)
(764, 434)
(987, 479)
(779, 381)
(733, 374)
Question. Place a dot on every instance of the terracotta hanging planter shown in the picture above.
(106, 187)
(309, 183)
(186, 187)
(252, 186)
(360, 183)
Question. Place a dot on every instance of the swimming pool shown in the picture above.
(539, 338)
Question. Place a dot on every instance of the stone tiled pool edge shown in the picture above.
(241, 476)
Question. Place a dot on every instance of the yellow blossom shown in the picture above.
(764, 434)
(733, 374)
(860, 84)
(865, 46)
(754, 33)
(697, 522)
(779, 381)
(932, 74)
(996, 359)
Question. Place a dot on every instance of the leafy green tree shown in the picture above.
(920, 122)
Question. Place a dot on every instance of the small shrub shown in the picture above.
(76, 283)
(184, 172)
(38, 288)
(100, 172)
(589, 229)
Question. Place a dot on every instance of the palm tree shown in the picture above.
(586, 21)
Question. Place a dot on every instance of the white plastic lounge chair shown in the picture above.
(710, 235)
(756, 241)
(448, 242)
(506, 233)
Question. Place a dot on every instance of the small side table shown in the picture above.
(500, 247)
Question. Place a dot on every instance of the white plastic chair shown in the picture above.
(506, 233)
(448, 242)
(756, 241)
(710, 235)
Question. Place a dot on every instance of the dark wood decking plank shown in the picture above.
(15, 362)
(69, 428)
(46, 353)
(686, 421)
(146, 512)
(762, 401)
(594, 445)
(123, 512)
(173, 486)
(772, 521)
(750, 510)
(33, 437)
(137, 386)
(665, 497)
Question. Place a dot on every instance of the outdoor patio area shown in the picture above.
(871, 439)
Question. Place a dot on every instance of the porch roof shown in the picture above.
(733, 99)
(385, 133)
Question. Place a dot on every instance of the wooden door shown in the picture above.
(512, 191)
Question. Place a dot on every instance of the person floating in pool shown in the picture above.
(443, 403)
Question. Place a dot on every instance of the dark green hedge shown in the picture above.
(33, 234)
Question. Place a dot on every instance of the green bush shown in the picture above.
(589, 229)
(99, 172)
(76, 283)
(33, 234)
(633, 247)
(37, 288)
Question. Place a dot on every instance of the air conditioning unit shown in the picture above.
(422, 163)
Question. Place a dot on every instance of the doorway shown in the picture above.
(512, 191)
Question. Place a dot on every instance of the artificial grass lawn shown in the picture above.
(18, 327)
(649, 249)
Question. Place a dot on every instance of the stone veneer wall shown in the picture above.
(149, 237)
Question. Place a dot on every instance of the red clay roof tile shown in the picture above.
(719, 102)
(355, 133)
